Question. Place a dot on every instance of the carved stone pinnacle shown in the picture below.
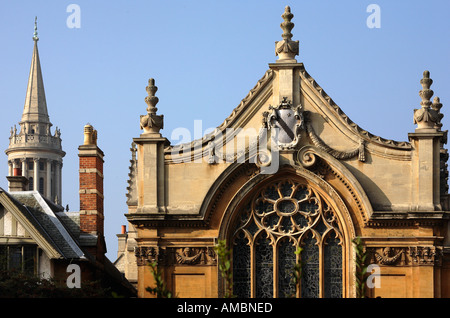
(151, 99)
(286, 49)
(437, 105)
(151, 123)
(426, 117)
(287, 25)
(425, 93)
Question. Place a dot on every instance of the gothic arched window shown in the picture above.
(282, 217)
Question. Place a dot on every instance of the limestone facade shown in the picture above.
(289, 169)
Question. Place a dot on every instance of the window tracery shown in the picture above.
(281, 217)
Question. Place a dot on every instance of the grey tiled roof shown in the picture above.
(43, 215)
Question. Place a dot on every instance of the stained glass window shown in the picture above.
(241, 267)
(281, 217)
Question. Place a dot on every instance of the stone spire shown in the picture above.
(152, 123)
(287, 49)
(35, 108)
(34, 152)
(426, 117)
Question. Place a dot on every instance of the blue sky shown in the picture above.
(205, 57)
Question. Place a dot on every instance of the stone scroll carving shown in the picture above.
(340, 155)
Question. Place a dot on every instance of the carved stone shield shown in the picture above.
(287, 121)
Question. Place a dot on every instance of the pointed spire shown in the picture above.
(35, 108)
(287, 49)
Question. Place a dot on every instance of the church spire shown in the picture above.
(35, 108)
(34, 152)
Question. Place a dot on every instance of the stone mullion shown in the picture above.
(321, 268)
(252, 270)
(275, 270)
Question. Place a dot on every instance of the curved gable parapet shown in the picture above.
(346, 121)
(199, 147)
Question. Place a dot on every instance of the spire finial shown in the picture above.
(151, 99)
(35, 34)
(286, 49)
(425, 93)
(287, 25)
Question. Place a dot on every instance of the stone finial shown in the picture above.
(425, 93)
(287, 49)
(35, 36)
(437, 105)
(151, 123)
(151, 99)
(426, 117)
(287, 25)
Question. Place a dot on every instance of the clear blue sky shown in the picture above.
(205, 57)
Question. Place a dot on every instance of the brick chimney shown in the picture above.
(91, 194)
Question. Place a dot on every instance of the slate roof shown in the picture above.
(42, 214)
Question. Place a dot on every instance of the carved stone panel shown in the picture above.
(176, 255)
(405, 256)
(192, 256)
(147, 254)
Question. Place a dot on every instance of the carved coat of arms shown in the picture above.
(287, 121)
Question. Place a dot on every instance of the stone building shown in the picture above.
(289, 169)
(37, 235)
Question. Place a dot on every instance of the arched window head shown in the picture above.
(279, 220)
